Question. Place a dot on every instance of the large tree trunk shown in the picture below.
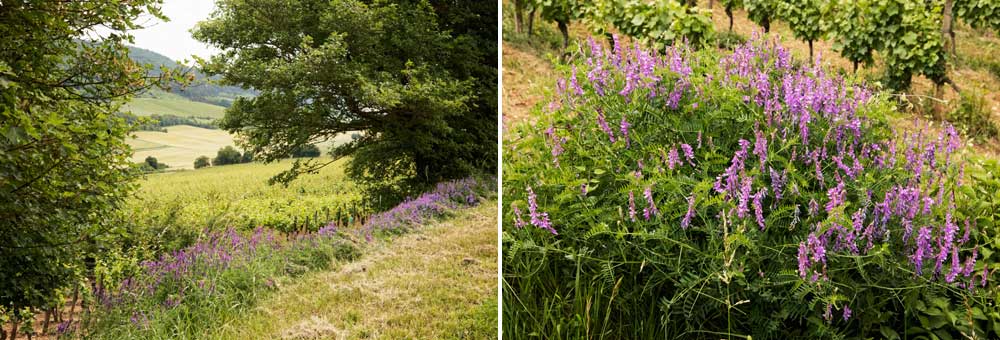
(531, 21)
(855, 67)
(810, 50)
(947, 29)
(13, 329)
(767, 25)
(564, 29)
(519, 16)
(729, 12)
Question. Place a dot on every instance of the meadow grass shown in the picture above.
(436, 283)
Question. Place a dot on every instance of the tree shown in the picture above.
(559, 11)
(806, 18)
(761, 12)
(247, 157)
(419, 77)
(63, 157)
(730, 5)
(151, 161)
(201, 162)
(227, 155)
(854, 27)
(307, 150)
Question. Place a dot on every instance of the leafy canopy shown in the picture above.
(419, 77)
(64, 164)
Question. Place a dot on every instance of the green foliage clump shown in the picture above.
(306, 150)
(227, 155)
(807, 18)
(697, 195)
(64, 162)
(657, 24)
(972, 117)
(854, 26)
(201, 162)
(762, 12)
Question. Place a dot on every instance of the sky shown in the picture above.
(173, 38)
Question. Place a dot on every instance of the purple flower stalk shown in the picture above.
(836, 196)
(538, 219)
(631, 206)
(651, 210)
(604, 125)
(688, 153)
(686, 221)
(624, 125)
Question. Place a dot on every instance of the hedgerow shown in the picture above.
(687, 194)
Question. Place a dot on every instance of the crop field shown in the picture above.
(238, 196)
(179, 146)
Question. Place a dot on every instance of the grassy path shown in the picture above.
(435, 283)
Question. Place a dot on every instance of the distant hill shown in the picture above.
(201, 90)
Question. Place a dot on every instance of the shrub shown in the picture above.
(972, 118)
(227, 155)
(685, 194)
(201, 162)
(306, 150)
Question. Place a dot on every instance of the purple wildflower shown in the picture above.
(686, 221)
(836, 196)
(518, 221)
(538, 219)
(688, 153)
(757, 209)
(673, 159)
(604, 125)
(651, 210)
(847, 312)
(631, 206)
(624, 129)
(923, 247)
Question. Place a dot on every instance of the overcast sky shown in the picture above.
(173, 38)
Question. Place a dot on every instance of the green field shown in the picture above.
(238, 196)
(166, 103)
(179, 146)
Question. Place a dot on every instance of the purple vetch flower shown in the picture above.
(922, 248)
(828, 315)
(686, 221)
(574, 84)
(631, 206)
(760, 148)
(836, 196)
(518, 222)
(847, 312)
(538, 219)
(651, 210)
(777, 182)
(672, 159)
(624, 129)
(604, 125)
(965, 237)
(970, 262)
(583, 189)
(744, 197)
(803, 259)
(557, 149)
(986, 272)
(955, 266)
(688, 153)
(758, 210)
(813, 207)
